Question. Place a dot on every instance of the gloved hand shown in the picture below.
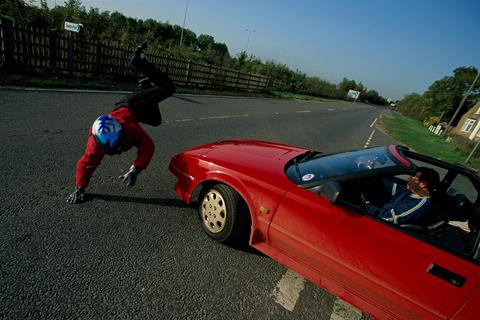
(139, 54)
(130, 177)
(78, 196)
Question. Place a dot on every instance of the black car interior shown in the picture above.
(447, 207)
(454, 220)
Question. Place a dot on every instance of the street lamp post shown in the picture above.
(183, 27)
(280, 51)
(248, 39)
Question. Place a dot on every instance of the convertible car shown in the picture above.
(304, 209)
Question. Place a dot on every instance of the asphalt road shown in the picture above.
(140, 253)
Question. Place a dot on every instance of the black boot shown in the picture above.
(138, 56)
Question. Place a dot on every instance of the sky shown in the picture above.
(394, 47)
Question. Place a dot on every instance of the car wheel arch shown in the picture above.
(208, 183)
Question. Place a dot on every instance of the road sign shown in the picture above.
(73, 27)
(353, 94)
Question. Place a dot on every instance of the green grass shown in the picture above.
(79, 82)
(413, 134)
(106, 84)
(290, 95)
(64, 83)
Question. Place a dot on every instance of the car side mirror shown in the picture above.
(331, 191)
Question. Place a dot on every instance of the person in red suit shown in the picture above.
(120, 130)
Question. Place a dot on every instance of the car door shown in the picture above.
(371, 259)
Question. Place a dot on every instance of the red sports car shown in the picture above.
(305, 209)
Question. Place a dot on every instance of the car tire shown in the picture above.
(224, 215)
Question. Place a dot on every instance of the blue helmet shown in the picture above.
(107, 130)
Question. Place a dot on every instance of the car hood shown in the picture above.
(258, 159)
(247, 149)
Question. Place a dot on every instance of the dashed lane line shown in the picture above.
(288, 289)
(344, 311)
(223, 117)
(369, 140)
(210, 118)
(233, 116)
(184, 120)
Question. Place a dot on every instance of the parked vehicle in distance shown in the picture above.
(303, 209)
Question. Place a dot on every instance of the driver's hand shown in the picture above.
(363, 198)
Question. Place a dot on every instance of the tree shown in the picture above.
(205, 42)
(74, 10)
(127, 31)
(415, 106)
(22, 12)
(221, 49)
(360, 87)
(96, 24)
(345, 85)
(446, 94)
(372, 96)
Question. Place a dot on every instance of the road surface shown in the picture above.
(140, 253)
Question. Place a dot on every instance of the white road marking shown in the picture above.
(345, 108)
(288, 289)
(369, 139)
(208, 118)
(331, 109)
(304, 111)
(120, 92)
(72, 90)
(277, 112)
(184, 120)
(373, 123)
(344, 311)
(223, 117)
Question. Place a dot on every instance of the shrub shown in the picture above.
(431, 121)
(463, 144)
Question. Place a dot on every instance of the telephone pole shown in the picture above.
(465, 96)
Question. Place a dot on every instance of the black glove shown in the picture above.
(130, 177)
(139, 54)
(78, 196)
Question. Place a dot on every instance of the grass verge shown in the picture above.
(106, 84)
(63, 83)
(413, 134)
(290, 95)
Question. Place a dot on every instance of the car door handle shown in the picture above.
(447, 275)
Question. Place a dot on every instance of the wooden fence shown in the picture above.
(40, 50)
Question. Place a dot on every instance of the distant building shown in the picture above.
(469, 124)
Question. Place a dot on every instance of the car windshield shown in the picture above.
(312, 167)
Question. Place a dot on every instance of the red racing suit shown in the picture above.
(132, 136)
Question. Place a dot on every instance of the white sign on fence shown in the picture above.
(353, 94)
(73, 27)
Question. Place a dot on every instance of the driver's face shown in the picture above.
(415, 184)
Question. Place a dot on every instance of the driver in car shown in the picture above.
(409, 204)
